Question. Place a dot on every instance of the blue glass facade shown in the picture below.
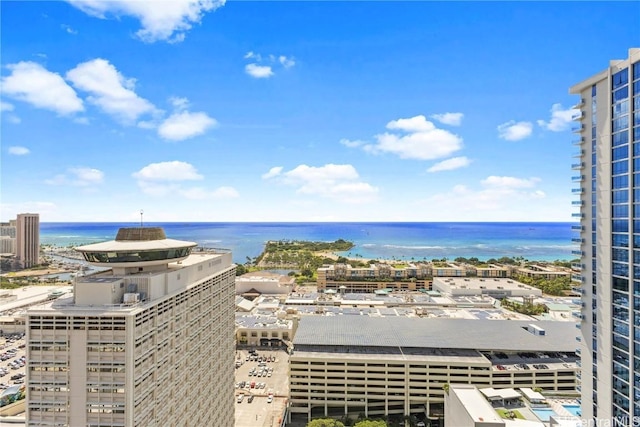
(610, 231)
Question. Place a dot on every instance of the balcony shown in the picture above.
(578, 351)
(578, 326)
(577, 203)
(578, 290)
(577, 141)
(577, 240)
(577, 215)
(579, 104)
(579, 153)
(577, 128)
(577, 266)
(577, 228)
(578, 166)
(577, 178)
(576, 278)
(578, 338)
(577, 315)
(577, 252)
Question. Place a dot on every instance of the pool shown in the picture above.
(544, 414)
(574, 409)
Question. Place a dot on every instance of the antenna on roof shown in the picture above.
(141, 212)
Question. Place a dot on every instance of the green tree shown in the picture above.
(325, 422)
(371, 423)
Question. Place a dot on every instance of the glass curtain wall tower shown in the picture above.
(607, 129)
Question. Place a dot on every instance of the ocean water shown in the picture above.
(541, 241)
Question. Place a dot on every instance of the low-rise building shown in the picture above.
(374, 277)
(543, 271)
(263, 282)
(349, 365)
(264, 331)
(497, 288)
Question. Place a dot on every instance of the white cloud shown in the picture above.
(413, 124)
(8, 210)
(251, 55)
(168, 171)
(258, 71)
(500, 197)
(225, 193)
(352, 144)
(17, 150)
(560, 119)
(512, 131)
(338, 182)
(32, 83)
(450, 164)
(180, 104)
(78, 177)
(68, 29)
(109, 89)
(160, 20)
(509, 182)
(220, 193)
(274, 171)
(423, 142)
(87, 176)
(5, 106)
(12, 118)
(452, 119)
(286, 62)
(185, 125)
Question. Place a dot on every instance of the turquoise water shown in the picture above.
(545, 241)
(544, 414)
(574, 409)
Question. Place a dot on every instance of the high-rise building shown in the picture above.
(28, 239)
(148, 342)
(607, 129)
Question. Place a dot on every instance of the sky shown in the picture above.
(201, 110)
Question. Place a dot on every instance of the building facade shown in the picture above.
(28, 239)
(147, 343)
(607, 129)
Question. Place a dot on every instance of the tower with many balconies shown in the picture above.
(608, 136)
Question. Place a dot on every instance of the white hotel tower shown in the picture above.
(148, 342)
(608, 139)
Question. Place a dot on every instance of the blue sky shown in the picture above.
(297, 111)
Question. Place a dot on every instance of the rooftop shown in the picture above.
(489, 335)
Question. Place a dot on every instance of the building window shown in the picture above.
(620, 78)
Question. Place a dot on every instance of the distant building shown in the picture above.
(262, 282)
(496, 288)
(607, 182)
(264, 331)
(539, 271)
(148, 342)
(374, 277)
(493, 270)
(379, 366)
(8, 239)
(8, 229)
(28, 239)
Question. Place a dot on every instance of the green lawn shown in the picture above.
(504, 413)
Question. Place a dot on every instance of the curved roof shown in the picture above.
(135, 245)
